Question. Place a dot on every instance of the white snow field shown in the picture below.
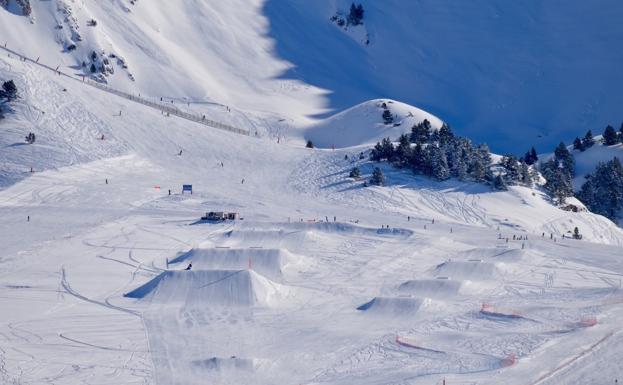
(321, 280)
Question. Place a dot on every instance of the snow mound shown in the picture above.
(473, 270)
(241, 288)
(499, 254)
(395, 306)
(433, 288)
(280, 238)
(290, 235)
(364, 124)
(347, 228)
(225, 364)
(268, 262)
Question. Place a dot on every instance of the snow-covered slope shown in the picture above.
(212, 54)
(587, 160)
(507, 74)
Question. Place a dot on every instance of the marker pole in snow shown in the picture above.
(250, 263)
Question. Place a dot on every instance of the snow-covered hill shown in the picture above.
(364, 124)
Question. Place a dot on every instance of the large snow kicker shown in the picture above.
(268, 262)
(242, 288)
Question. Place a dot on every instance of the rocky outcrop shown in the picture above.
(23, 5)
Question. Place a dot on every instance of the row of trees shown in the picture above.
(610, 137)
(436, 153)
(441, 154)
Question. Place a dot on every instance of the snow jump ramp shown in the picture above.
(267, 262)
(395, 306)
(209, 288)
(469, 270)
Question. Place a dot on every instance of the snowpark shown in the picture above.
(323, 282)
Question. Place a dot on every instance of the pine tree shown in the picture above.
(417, 159)
(386, 149)
(484, 153)
(578, 144)
(388, 118)
(558, 182)
(403, 151)
(563, 156)
(499, 183)
(461, 169)
(511, 165)
(9, 90)
(610, 136)
(531, 157)
(576, 233)
(525, 174)
(420, 133)
(355, 172)
(587, 193)
(602, 192)
(439, 164)
(588, 140)
(309, 144)
(479, 165)
(378, 178)
(355, 16)
(445, 135)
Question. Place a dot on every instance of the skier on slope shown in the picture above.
(190, 266)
